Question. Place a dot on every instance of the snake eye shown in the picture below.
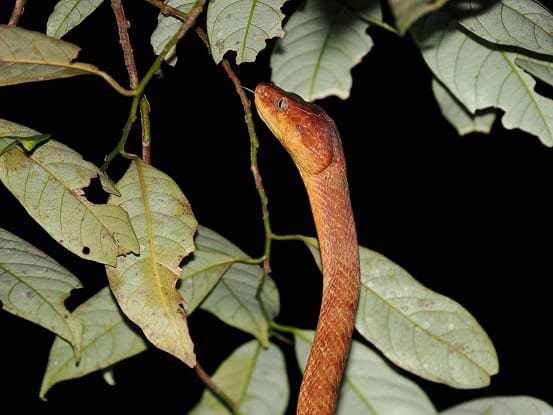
(282, 104)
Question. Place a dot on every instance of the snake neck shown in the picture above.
(330, 202)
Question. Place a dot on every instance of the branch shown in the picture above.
(18, 10)
(123, 26)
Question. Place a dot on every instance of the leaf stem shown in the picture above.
(18, 10)
(146, 130)
(188, 23)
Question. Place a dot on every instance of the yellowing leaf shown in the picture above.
(49, 184)
(107, 339)
(253, 378)
(145, 285)
(33, 286)
(419, 330)
(324, 40)
(242, 26)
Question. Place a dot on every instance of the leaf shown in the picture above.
(370, 10)
(419, 330)
(459, 116)
(167, 27)
(538, 68)
(49, 184)
(253, 378)
(369, 385)
(323, 41)
(482, 76)
(406, 12)
(107, 339)
(68, 14)
(27, 137)
(523, 24)
(233, 300)
(27, 56)
(144, 285)
(513, 405)
(242, 26)
(33, 286)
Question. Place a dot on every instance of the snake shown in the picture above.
(312, 139)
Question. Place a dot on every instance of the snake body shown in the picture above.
(311, 138)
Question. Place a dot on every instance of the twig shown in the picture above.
(123, 28)
(212, 386)
(146, 135)
(190, 20)
(18, 10)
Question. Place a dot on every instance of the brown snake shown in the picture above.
(311, 138)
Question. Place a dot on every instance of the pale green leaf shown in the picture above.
(167, 27)
(49, 184)
(242, 26)
(324, 41)
(233, 300)
(481, 76)
(254, 378)
(369, 385)
(520, 23)
(144, 285)
(26, 136)
(539, 68)
(27, 56)
(456, 113)
(109, 376)
(370, 10)
(68, 14)
(406, 12)
(419, 330)
(33, 286)
(512, 405)
(107, 339)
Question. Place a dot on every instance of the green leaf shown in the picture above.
(25, 136)
(233, 300)
(242, 26)
(456, 113)
(481, 76)
(513, 405)
(406, 12)
(167, 27)
(419, 330)
(144, 285)
(107, 339)
(370, 10)
(49, 184)
(369, 385)
(324, 41)
(253, 378)
(27, 56)
(68, 14)
(33, 286)
(538, 68)
(520, 23)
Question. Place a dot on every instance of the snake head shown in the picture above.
(304, 129)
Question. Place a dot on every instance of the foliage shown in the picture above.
(161, 265)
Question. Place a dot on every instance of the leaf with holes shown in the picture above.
(458, 116)
(540, 69)
(419, 330)
(369, 385)
(512, 405)
(33, 286)
(27, 56)
(523, 24)
(107, 339)
(234, 298)
(49, 184)
(323, 41)
(167, 27)
(144, 285)
(254, 378)
(480, 76)
(242, 26)
(68, 14)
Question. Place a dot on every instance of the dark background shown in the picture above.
(469, 217)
